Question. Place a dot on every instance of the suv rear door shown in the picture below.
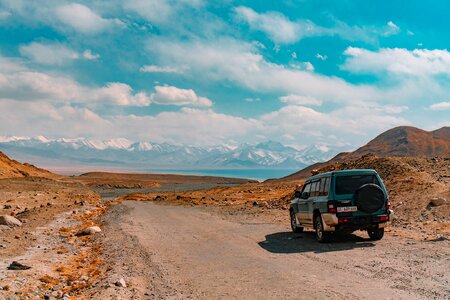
(302, 205)
(315, 186)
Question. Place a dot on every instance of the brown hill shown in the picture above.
(403, 141)
(409, 141)
(10, 168)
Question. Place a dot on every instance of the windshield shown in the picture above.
(349, 184)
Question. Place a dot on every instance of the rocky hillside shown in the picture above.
(403, 141)
(10, 168)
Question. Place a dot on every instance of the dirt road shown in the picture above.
(178, 252)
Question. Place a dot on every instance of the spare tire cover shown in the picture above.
(369, 198)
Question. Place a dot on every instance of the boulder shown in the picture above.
(18, 266)
(121, 283)
(89, 231)
(438, 201)
(9, 221)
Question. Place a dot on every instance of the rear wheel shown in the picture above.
(294, 225)
(376, 233)
(321, 235)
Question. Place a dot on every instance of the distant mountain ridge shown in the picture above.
(122, 152)
(398, 141)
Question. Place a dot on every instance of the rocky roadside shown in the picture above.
(47, 246)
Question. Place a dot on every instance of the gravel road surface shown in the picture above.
(178, 252)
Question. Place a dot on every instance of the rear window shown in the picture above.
(349, 184)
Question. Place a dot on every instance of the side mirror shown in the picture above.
(298, 194)
(305, 195)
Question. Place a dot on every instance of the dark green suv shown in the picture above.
(345, 201)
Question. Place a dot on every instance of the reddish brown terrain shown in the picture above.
(137, 238)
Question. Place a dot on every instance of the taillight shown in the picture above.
(388, 205)
(331, 208)
(343, 220)
(384, 218)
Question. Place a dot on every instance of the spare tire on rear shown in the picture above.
(369, 198)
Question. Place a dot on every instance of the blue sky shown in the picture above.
(205, 73)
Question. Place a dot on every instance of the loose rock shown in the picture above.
(121, 283)
(17, 266)
(89, 231)
(437, 202)
(9, 221)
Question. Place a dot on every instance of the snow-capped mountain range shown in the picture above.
(122, 152)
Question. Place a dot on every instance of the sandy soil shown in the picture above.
(178, 252)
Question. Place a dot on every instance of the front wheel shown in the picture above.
(294, 226)
(376, 234)
(321, 235)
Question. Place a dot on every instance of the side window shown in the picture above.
(307, 188)
(314, 188)
(321, 187)
(326, 186)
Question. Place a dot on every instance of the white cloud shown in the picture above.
(240, 63)
(310, 126)
(22, 84)
(162, 69)
(119, 94)
(300, 100)
(48, 53)
(52, 53)
(19, 83)
(160, 12)
(391, 29)
(321, 57)
(81, 18)
(279, 28)
(284, 31)
(87, 54)
(418, 62)
(294, 55)
(252, 99)
(176, 96)
(190, 126)
(155, 11)
(37, 118)
(45, 103)
(305, 66)
(440, 106)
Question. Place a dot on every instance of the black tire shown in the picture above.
(294, 226)
(321, 236)
(376, 233)
(369, 198)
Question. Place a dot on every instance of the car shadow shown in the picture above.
(289, 242)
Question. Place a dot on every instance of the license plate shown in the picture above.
(347, 209)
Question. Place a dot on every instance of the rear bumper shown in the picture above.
(333, 222)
